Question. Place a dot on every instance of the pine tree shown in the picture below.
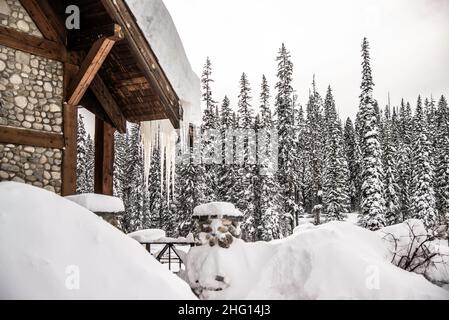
(133, 191)
(423, 172)
(353, 156)
(391, 194)
(209, 125)
(442, 161)
(120, 157)
(335, 189)
(189, 192)
(246, 171)
(84, 163)
(315, 127)
(404, 152)
(372, 203)
(266, 189)
(286, 139)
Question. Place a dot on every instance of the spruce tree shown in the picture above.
(120, 158)
(442, 162)
(353, 156)
(372, 200)
(209, 125)
(247, 160)
(133, 191)
(423, 172)
(335, 189)
(84, 164)
(391, 194)
(285, 128)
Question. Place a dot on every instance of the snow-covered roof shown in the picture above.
(217, 209)
(98, 202)
(51, 248)
(157, 25)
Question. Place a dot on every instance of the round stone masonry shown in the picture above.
(30, 96)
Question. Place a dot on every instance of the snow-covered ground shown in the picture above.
(336, 260)
(52, 248)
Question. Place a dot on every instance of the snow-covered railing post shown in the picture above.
(217, 223)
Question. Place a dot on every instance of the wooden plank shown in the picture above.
(104, 157)
(82, 39)
(43, 17)
(31, 44)
(31, 137)
(70, 120)
(89, 68)
(108, 103)
(147, 60)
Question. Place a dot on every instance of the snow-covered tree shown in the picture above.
(442, 161)
(335, 183)
(286, 139)
(423, 172)
(246, 171)
(353, 156)
(85, 159)
(133, 191)
(372, 200)
(391, 193)
(120, 159)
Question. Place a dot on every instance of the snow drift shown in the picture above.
(336, 260)
(52, 248)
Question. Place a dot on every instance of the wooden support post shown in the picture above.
(104, 157)
(70, 118)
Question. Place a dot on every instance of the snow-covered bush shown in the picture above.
(52, 248)
(414, 249)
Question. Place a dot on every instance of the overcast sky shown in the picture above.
(409, 45)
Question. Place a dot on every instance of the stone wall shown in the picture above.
(31, 90)
(14, 16)
(40, 167)
(31, 93)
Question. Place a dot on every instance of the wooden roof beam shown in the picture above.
(83, 38)
(45, 19)
(108, 103)
(90, 66)
(146, 59)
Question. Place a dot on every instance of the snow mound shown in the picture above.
(336, 260)
(217, 209)
(51, 248)
(147, 235)
(98, 202)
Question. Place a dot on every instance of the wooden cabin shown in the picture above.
(47, 71)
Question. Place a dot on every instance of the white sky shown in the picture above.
(409, 45)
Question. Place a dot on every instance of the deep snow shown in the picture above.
(336, 260)
(47, 243)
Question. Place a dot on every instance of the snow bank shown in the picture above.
(51, 248)
(147, 235)
(98, 202)
(217, 209)
(336, 260)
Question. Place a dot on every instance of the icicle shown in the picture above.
(161, 134)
